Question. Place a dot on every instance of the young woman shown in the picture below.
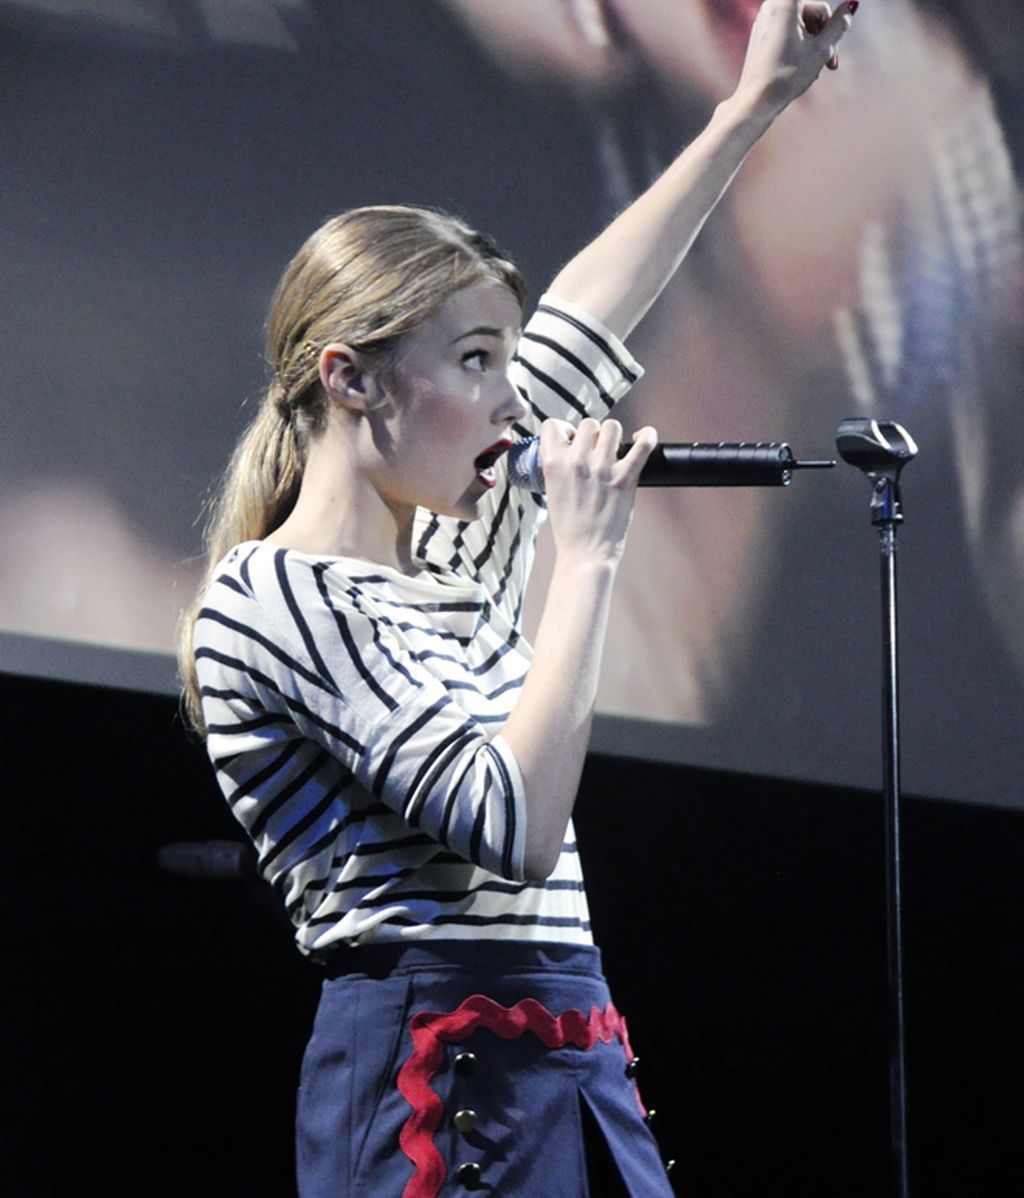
(405, 768)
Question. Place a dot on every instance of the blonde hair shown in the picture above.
(365, 278)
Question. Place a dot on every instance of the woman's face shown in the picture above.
(449, 404)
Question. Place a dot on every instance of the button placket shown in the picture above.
(465, 1120)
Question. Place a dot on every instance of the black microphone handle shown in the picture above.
(705, 464)
(695, 464)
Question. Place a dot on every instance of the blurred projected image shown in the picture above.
(867, 261)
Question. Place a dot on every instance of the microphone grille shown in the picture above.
(524, 468)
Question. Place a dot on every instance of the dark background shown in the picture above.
(163, 160)
(154, 1024)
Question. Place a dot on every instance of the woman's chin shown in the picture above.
(468, 506)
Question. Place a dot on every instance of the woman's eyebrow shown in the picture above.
(481, 330)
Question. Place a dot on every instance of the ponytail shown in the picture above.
(258, 491)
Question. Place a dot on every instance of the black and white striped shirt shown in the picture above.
(354, 712)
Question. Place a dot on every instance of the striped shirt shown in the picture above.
(354, 713)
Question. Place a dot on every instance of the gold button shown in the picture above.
(465, 1063)
(465, 1121)
(469, 1174)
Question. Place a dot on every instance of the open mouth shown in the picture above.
(484, 463)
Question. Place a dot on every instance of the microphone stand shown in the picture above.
(881, 449)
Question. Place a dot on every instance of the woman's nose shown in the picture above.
(512, 406)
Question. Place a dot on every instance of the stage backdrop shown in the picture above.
(162, 161)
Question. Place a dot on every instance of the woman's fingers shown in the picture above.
(606, 456)
(567, 449)
(606, 448)
(819, 20)
(790, 42)
(590, 486)
(587, 435)
(815, 17)
(644, 442)
(555, 436)
(594, 449)
(833, 28)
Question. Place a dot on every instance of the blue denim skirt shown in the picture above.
(484, 1066)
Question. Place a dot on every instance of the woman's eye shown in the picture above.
(475, 359)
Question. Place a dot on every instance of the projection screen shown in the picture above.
(162, 161)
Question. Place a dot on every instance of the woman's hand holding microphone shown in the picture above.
(590, 490)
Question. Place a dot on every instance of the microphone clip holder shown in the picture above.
(880, 449)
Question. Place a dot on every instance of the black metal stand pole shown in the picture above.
(881, 450)
(885, 515)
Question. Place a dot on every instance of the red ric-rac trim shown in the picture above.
(431, 1030)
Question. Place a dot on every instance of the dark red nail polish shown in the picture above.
(854, 5)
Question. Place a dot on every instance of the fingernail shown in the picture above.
(854, 5)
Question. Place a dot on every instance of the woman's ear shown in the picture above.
(344, 377)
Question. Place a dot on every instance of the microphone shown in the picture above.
(696, 464)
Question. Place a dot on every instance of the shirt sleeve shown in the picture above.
(281, 657)
(568, 366)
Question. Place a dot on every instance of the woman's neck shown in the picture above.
(339, 513)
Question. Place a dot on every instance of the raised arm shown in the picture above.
(620, 274)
